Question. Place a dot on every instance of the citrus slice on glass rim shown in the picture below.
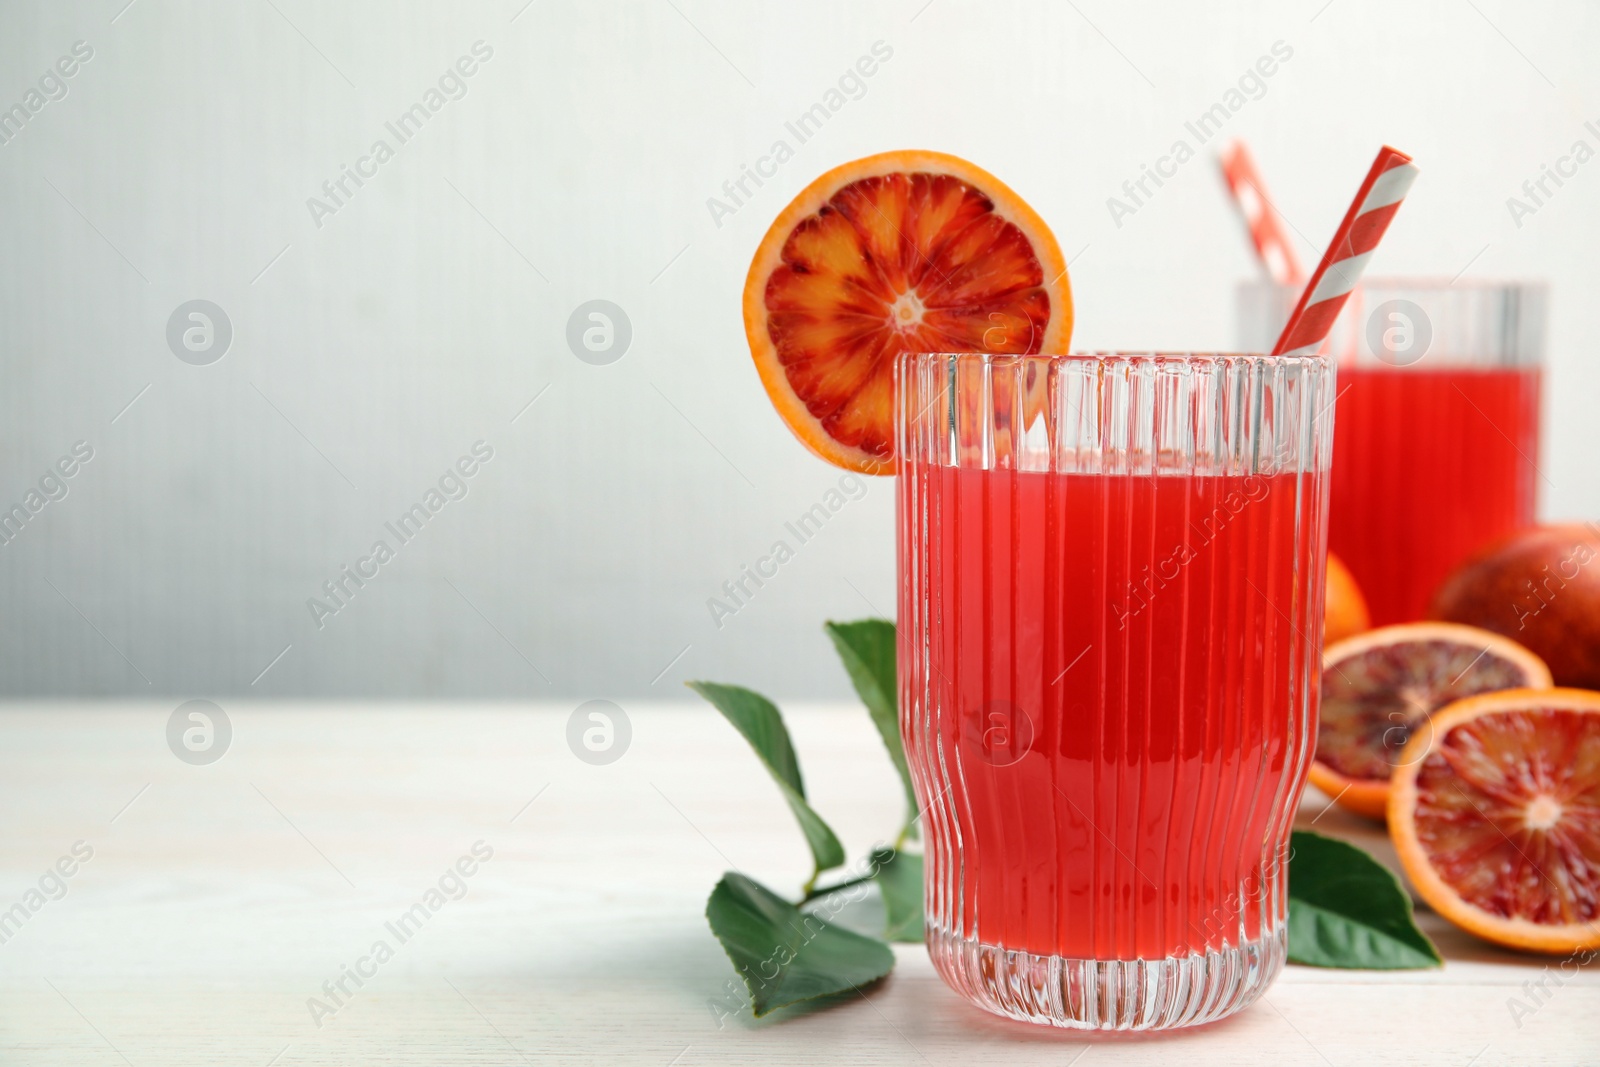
(906, 251)
(1496, 817)
(1380, 687)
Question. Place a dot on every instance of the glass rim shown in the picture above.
(1154, 412)
(1431, 282)
(1155, 357)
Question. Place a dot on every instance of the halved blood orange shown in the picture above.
(1496, 817)
(1380, 687)
(905, 251)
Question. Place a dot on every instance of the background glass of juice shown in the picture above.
(1437, 448)
(1110, 572)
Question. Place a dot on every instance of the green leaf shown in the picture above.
(784, 956)
(759, 720)
(899, 876)
(1348, 910)
(867, 648)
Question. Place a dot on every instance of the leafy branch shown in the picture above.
(789, 951)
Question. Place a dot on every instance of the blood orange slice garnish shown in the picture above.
(900, 252)
(1380, 687)
(1496, 817)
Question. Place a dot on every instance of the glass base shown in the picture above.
(1108, 995)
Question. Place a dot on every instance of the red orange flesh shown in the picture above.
(905, 251)
(1496, 817)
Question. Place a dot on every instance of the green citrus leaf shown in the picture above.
(899, 877)
(785, 956)
(759, 720)
(1348, 910)
(867, 648)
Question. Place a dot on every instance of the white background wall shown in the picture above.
(432, 307)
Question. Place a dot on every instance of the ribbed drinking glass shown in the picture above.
(1110, 572)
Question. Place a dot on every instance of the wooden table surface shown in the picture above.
(219, 899)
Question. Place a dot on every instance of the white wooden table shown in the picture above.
(220, 898)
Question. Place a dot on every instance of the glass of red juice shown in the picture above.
(1437, 450)
(1110, 572)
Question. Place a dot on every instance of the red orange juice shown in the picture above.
(1120, 673)
(1429, 465)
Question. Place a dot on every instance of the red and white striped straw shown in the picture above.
(1266, 231)
(1352, 246)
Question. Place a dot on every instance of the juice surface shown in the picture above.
(1119, 702)
(1428, 467)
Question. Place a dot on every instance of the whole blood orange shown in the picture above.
(1344, 611)
(905, 251)
(1379, 688)
(1540, 587)
(1496, 817)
